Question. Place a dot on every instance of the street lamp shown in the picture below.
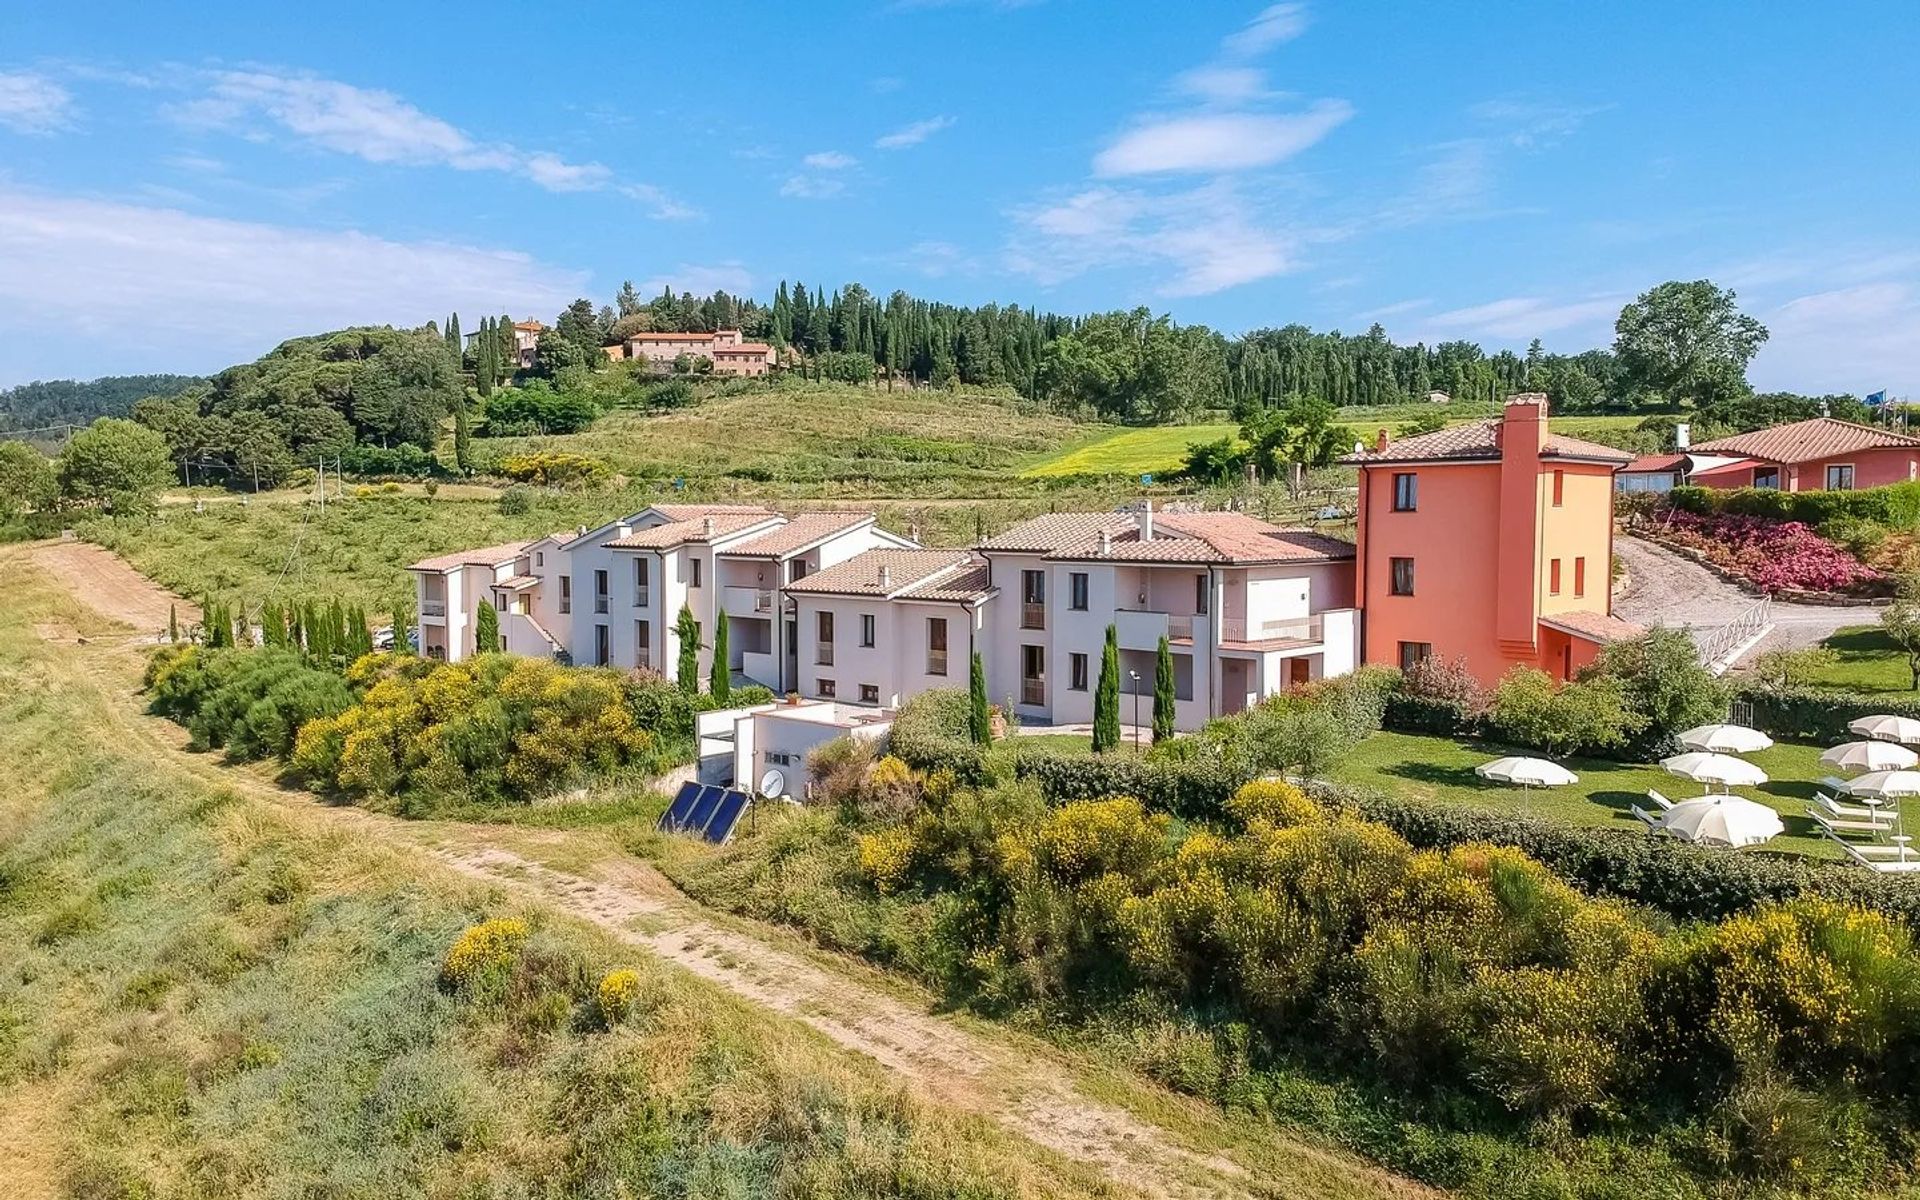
(1135, 676)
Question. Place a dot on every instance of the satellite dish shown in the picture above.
(773, 784)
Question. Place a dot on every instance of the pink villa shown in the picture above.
(729, 353)
(1822, 454)
(1490, 542)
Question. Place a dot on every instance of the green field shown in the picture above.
(1865, 660)
(1441, 770)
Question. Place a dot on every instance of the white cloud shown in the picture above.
(146, 283)
(1392, 310)
(1518, 317)
(1207, 238)
(31, 103)
(914, 134)
(1529, 123)
(1276, 24)
(829, 160)
(1856, 339)
(381, 127)
(1224, 85)
(701, 280)
(1220, 141)
(936, 259)
(812, 187)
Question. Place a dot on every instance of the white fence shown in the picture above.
(1722, 641)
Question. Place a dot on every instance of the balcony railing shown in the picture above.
(1033, 616)
(744, 600)
(1142, 628)
(433, 608)
(642, 596)
(600, 604)
(936, 662)
(1033, 691)
(1288, 629)
(823, 654)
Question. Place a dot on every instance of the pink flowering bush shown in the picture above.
(1773, 555)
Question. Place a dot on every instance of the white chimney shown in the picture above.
(1146, 522)
(622, 529)
(886, 578)
(707, 527)
(1106, 543)
(1682, 436)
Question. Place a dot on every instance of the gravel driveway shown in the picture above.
(1667, 589)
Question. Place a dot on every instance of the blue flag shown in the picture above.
(1877, 399)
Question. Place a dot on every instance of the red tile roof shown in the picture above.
(672, 337)
(1056, 531)
(860, 575)
(1804, 441)
(1226, 538)
(1477, 440)
(695, 531)
(484, 556)
(1593, 626)
(1657, 463)
(803, 531)
(687, 512)
(969, 585)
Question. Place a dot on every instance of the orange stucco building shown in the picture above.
(1490, 542)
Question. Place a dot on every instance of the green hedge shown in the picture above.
(1684, 881)
(1192, 788)
(932, 734)
(1806, 714)
(1897, 505)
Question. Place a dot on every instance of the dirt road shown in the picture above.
(1670, 590)
(105, 583)
(1024, 1085)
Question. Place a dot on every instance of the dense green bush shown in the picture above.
(1589, 715)
(535, 407)
(1808, 714)
(252, 702)
(1665, 686)
(1684, 881)
(933, 732)
(403, 461)
(1894, 506)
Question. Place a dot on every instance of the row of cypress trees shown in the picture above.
(1106, 696)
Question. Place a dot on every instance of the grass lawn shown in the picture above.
(1441, 770)
(1158, 450)
(1867, 661)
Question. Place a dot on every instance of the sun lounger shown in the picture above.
(1909, 866)
(1835, 826)
(1659, 801)
(1834, 784)
(1880, 815)
(1652, 822)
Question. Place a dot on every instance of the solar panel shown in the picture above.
(732, 805)
(675, 818)
(703, 808)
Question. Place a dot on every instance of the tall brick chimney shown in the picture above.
(1516, 608)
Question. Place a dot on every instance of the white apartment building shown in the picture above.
(831, 607)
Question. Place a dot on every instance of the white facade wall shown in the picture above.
(780, 737)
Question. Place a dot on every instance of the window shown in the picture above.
(869, 693)
(1077, 591)
(1033, 674)
(1553, 578)
(1766, 477)
(1579, 576)
(599, 645)
(823, 639)
(693, 571)
(824, 688)
(867, 631)
(799, 570)
(1202, 593)
(1077, 672)
(566, 593)
(642, 643)
(1401, 583)
(640, 589)
(599, 591)
(539, 558)
(1406, 492)
(1412, 654)
(1033, 600)
(936, 645)
(1840, 478)
(1559, 487)
(779, 758)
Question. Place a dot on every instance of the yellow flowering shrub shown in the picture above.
(1092, 837)
(1548, 1041)
(479, 959)
(619, 995)
(1274, 801)
(890, 772)
(885, 858)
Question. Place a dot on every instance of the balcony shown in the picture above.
(746, 601)
(433, 612)
(1285, 629)
(642, 596)
(1032, 615)
(1142, 629)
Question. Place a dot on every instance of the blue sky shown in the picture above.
(182, 187)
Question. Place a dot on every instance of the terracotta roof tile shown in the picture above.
(802, 531)
(692, 531)
(968, 585)
(1593, 626)
(484, 556)
(860, 575)
(1213, 537)
(1802, 441)
(687, 512)
(1477, 440)
(1649, 463)
(1057, 531)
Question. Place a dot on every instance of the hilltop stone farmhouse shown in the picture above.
(1490, 542)
(730, 355)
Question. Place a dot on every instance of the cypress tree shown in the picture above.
(268, 637)
(453, 335)
(486, 629)
(1106, 698)
(1163, 697)
(462, 436)
(485, 365)
(720, 677)
(979, 716)
(402, 627)
(503, 348)
(688, 631)
(173, 623)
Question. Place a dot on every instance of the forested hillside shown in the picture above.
(73, 402)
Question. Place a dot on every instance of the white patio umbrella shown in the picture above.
(1722, 769)
(1885, 785)
(1887, 728)
(1721, 821)
(1869, 756)
(1527, 772)
(1725, 739)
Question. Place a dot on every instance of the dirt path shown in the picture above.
(1026, 1087)
(1667, 589)
(105, 583)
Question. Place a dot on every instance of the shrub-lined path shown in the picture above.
(1146, 1141)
